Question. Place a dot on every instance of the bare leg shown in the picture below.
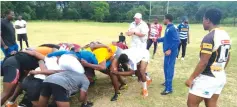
(35, 103)
(142, 70)
(115, 82)
(16, 93)
(62, 104)
(212, 102)
(83, 96)
(121, 80)
(43, 101)
(8, 90)
(193, 100)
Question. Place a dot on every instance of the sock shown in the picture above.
(147, 77)
(9, 102)
(144, 85)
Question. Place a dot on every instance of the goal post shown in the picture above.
(158, 11)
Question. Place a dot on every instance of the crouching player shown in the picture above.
(136, 61)
(61, 84)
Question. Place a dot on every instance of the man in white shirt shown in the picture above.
(20, 26)
(131, 64)
(139, 32)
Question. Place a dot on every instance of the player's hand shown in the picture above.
(154, 39)
(168, 52)
(13, 52)
(5, 47)
(33, 72)
(109, 49)
(84, 62)
(30, 52)
(129, 33)
(114, 72)
(189, 82)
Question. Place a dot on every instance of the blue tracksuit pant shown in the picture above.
(169, 65)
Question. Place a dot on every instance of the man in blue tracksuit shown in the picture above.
(171, 42)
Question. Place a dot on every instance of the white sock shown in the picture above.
(144, 85)
(9, 102)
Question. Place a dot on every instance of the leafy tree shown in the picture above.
(100, 10)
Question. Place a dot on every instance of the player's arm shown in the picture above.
(86, 46)
(45, 72)
(17, 26)
(100, 66)
(206, 52)
(160, 39)
(93, 47)
(201, 65)
(144, 32)
(57, 53)
(227, 60)
(160, 31)
(114, 65)
(125, 73)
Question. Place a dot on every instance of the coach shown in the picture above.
(139, 32)
(171, 42)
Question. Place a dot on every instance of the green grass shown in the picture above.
(85, 32)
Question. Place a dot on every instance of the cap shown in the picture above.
(138, 15)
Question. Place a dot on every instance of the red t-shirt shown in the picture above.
(155, 30)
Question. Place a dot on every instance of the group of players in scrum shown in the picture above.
(62, 70)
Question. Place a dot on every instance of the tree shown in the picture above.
(100, 10)
(190, 9)
(140, 9)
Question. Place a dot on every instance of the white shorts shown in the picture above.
(69, 62)
(205, 86)
(146, 56)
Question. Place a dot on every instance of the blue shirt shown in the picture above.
(171, 39)
(86, 55)
(183, 31)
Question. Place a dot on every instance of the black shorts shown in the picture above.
(32, 86)
(10, 69)
(59, 93)
(22, 37)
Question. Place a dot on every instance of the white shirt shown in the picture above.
(20, 23)
(51, 64)
(139, 42)
(135, 56)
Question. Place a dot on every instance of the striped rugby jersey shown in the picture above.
(183, 31)
(217, 43)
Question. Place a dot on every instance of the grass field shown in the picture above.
(83, 33)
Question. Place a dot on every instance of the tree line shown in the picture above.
(115, 11)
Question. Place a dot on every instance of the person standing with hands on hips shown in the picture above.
(171, 42)
(139, 32)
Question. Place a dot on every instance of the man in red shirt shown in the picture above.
(155, 30)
